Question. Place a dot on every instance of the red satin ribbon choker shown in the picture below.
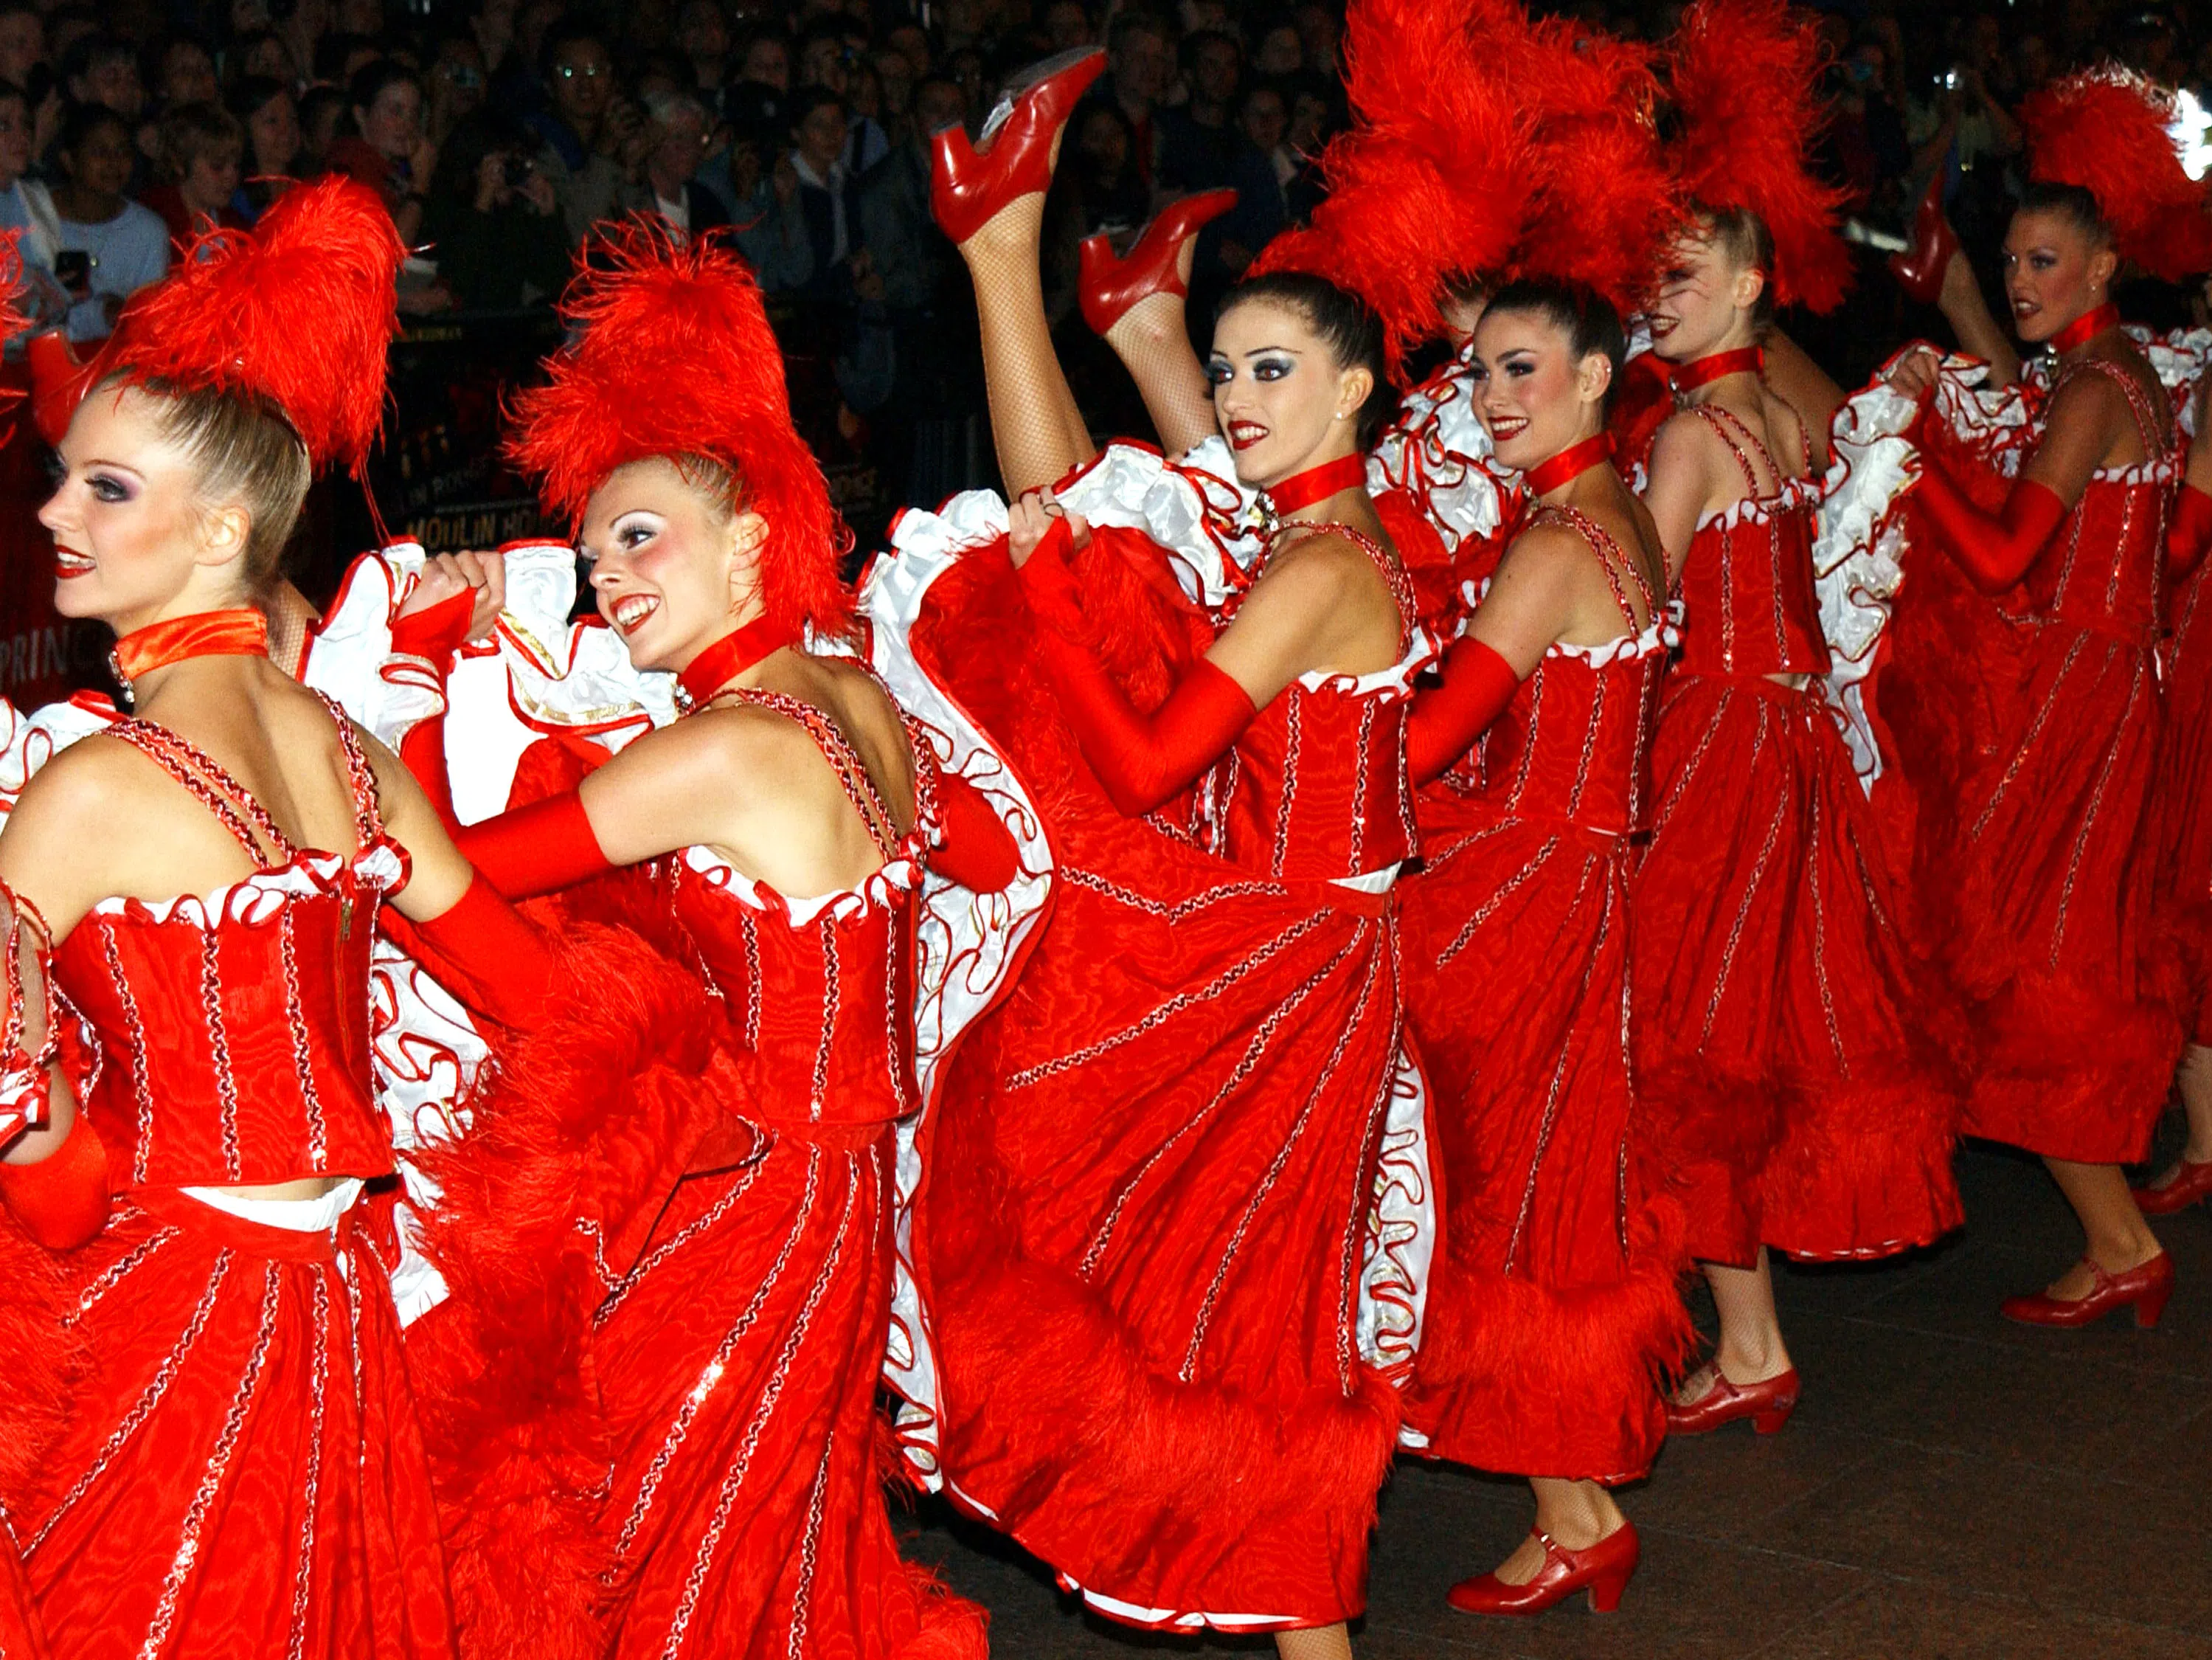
(240, 633)
(1743, 359)
(1302, 489)
(1569, 463)
(728, 658)
(2085, 328)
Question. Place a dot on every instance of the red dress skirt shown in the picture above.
(1554, 1308)
(1786, 1033)
(1156, 1236)
(2183, 784)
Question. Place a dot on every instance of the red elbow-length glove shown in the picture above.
(485, 951)
(978, 853)
(1477, 686)
(2190, 532)
(1994, 551)
(1142, 760)
(539, 848)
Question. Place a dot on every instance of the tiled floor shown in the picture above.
(1953, 1488)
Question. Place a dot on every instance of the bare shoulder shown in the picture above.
(1325, 566)
(96, 781)
(1685, 439)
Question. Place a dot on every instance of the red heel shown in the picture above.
(2146, 1288)
(1604, 1569)
(1768, 1405)
(59, 383)
(966, 187)
(1919, 270)
(1110, 285)
(2192, 1185)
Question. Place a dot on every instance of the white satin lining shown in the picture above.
(293, 1215)
(1376, 881)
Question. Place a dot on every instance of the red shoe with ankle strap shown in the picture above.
(966, 187)
(1110, 285)
(2193, 1184)
(1768, 1405)
(1919, 270)
(1603, 1570)
(2146, 1287)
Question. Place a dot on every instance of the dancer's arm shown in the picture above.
(1685, 478)
(1546, 590)
(1995, 551)
(2187, 538)
(1798, 382)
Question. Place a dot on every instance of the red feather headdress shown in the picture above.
(299, 312)
(2107, 131)
(1432, 182)
(1744, 77)
(673, 357)
(1606, 201)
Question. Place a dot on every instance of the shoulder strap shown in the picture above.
(1728, 426)
(844, 761)
(367, 813)
(1612, 558)
(2148, 429)
(1387, 565)
(230, 801)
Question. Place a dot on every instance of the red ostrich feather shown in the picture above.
(1744, 77)
(1607, 201)
(2106, 130)
(672, 357)
(299, 313)
(1432, 182)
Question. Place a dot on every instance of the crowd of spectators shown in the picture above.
(500, 131)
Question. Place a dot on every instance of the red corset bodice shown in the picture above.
(1748, 596)
(1573, 745)
(1317, 788)
(231, 1034)
(2104, 567)
(821, 991)
(1749, 606)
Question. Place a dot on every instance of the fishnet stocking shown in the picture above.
(1039, 434)
(1327, 1643)
(1153, 344)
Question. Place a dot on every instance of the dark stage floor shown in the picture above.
(1952, 1486)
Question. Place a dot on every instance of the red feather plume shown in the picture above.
(300, 312)
(2106, 130)
(1744, 76)
(1607, 202)
(1431, 181)
(672, 357)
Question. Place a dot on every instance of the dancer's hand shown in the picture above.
(445, 574)
(1915, 374)
(1030, 520)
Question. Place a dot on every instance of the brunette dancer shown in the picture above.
(1146, 1228)
(2052, 851)
(1782, 1024)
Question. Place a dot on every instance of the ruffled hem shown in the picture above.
(1795, 494)
(1143, 1466)
(1528, 1379)
(1862, 1169)
(2071, 1072)
(1439, 456)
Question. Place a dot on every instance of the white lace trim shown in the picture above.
(1794, 493)
(899, 875)
(257, 898)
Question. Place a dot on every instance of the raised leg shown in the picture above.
(1152, 341)
(1039, 434)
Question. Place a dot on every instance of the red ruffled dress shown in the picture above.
(1782, 1028)
(240, 1472)
(2183, 790)
(2054, 846)
(1554, 1307)
(1155, 1232)
(738, 1356)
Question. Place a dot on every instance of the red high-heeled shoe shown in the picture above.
(2146, 1288)
(1604, 1569)
(1109, 285)
(1919, 270)
(966, 187)
(2193, 1184)
(1767, 1404)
